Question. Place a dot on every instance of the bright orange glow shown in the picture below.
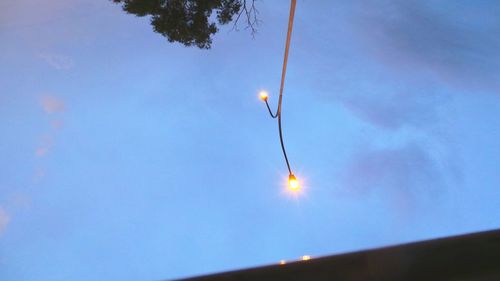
(282, 262)
(263, 95)
(306, 258)
(293, 183)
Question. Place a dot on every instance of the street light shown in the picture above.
(293, 183)
(292, 180)
(263, 95)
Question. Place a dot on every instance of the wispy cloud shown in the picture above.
(57, 124)
(51, 104)
(438, 38)
(393, 106)
(42, 151)
(415, 56)
(18, 201)
(39, 174)
(45, 146)
(4, 219)
(402, 175)
(396, 63)
(59, 62)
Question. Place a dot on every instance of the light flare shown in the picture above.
(293, 183)
(263, 95)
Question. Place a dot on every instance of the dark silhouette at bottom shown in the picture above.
(466, 257)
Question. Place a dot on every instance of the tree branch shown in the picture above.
(250, 12)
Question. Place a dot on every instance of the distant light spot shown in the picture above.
(306, 258)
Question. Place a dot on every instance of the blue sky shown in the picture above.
(126, 157)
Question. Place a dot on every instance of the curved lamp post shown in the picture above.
(292, 180)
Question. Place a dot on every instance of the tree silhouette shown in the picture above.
(189, 21)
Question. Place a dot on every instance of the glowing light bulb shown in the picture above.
(263, 95)
(293, 183)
